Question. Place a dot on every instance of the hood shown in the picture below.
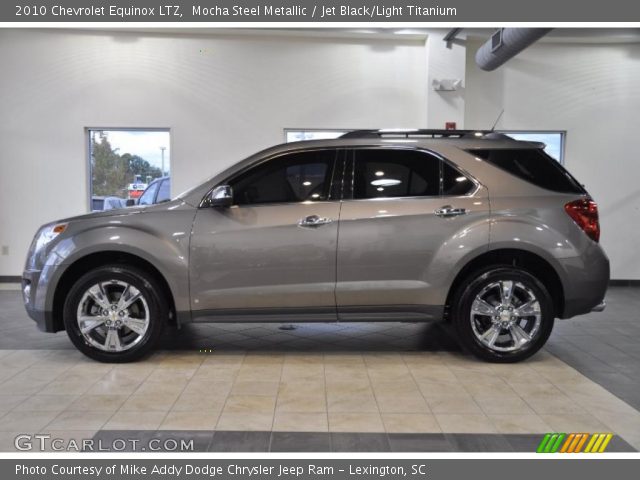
(124, 212)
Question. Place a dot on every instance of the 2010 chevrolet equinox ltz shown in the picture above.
(483, 231)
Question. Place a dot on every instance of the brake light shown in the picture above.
(585, 213)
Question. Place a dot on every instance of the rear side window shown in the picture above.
(388, 173)
(395, 173)
(534, 166)
(454, 183)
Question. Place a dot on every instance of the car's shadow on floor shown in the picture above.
(311, 337)
(18, 332)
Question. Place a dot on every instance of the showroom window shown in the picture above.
(299, 134)
(554, 141)
(124, 162)
(383, 173)
(294, 177)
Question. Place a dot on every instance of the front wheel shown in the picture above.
(503, 314)
(115, 314)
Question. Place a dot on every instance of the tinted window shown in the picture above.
(395, 173)
(534, 166)
(295, 177)
(149, 194)
(164, 192)
(455, 183)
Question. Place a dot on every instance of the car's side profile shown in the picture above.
(473, 227)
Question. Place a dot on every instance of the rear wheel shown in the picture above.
(503, 314)
(115, 314)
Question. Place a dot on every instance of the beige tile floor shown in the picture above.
(63, 393)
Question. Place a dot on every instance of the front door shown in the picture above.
(274, 251)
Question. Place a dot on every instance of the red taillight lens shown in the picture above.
(585, 213)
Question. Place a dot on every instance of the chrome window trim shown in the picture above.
(427, 151)
(345, 160)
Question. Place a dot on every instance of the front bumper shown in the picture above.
(32, 296)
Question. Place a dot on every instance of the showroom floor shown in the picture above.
(321, 387)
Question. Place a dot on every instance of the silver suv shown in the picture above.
(485, 232)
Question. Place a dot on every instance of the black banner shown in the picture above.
(310, 469)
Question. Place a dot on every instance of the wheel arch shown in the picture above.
(513, 257)
(98, 259)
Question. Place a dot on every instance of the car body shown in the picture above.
(158, 191)
(372, 226)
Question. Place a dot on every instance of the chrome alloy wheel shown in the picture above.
(505, 316)
(113, 316)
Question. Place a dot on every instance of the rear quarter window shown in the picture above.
(533, 166)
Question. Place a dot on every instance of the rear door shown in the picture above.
(405, 205)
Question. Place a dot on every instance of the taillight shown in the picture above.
(585, 213)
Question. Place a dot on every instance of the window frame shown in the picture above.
(334, 167)
(348, 196)
(87, 148)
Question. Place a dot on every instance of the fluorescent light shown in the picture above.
(386, 182)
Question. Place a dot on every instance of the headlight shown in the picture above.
(37, 251)
(47, 234)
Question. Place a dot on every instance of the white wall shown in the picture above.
(223, 98)
(592, 92)
(445, 62)
(228, 96)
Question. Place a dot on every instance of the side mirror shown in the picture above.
(130, 202)
(220, 197)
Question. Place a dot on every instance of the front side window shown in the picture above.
(290, 178)
(384, 173)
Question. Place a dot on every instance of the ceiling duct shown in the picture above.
(505, 44)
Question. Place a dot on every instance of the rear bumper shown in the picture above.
(585, 282)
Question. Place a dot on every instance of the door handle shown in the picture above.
(449, 211)
(314, 221)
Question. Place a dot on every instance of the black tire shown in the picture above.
(474, 285)
(154, 303)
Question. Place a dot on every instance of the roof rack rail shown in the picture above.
(408, 133)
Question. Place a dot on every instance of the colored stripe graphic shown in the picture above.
(598, 443)
(550, 443)
(581, 443)
(565, 447)
(543, 443)
(574, 443)
(556, 445)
